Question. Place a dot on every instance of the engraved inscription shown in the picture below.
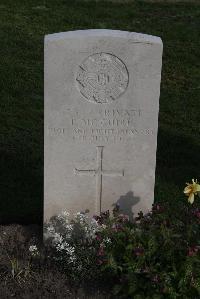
(99, 173)
(102, 78)
(109, 135)
(101, 126)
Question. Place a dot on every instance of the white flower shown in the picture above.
(72, 259)
(80, 217)
(103, 226)
(69, 227)
(94, 222)
(77, 215)
(64, 216)
(69, 250)
(50, 229)
(65, 213)
(33, 250)
(91, 229)
(107, 241)
(57, 238)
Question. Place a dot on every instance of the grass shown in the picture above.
(23, 25)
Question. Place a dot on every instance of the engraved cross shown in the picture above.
(99, 173)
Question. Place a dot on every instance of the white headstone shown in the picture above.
(101, 118)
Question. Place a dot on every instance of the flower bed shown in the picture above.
(155, 256)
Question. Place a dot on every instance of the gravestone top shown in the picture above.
(134, 36)
(101, 119)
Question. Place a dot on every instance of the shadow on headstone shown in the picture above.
(126, 202)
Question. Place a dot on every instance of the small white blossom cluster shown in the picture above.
(64, 217)
(107, 241)
(34, 250)
(64, 224)
(92, 229)
(90, 226)
(75, 240)
(81, 218)
(61, 232)
(64, 247)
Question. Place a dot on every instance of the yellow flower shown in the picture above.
(191, 190)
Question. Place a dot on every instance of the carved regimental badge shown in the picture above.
(102, 78)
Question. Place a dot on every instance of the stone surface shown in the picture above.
(101, 118)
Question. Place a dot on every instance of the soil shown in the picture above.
(21, 279)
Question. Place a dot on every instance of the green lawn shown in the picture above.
(23, 24)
